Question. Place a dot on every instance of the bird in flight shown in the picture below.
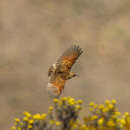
(59, 72)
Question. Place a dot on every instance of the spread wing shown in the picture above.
(69, 57)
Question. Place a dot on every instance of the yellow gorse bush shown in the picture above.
(64, 115)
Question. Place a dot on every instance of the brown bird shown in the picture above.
(61, 71)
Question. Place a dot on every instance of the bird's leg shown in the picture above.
(71, 75)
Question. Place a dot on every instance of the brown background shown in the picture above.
(33, 33)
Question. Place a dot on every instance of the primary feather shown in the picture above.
(69, 57)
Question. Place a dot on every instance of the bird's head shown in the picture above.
(52, 70)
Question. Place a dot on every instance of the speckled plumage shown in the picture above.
(59, 72)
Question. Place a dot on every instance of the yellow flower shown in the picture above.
(128, 121)
(100, 121)
(91, 104)
(55, 100)
(58, 123)
(52, 122)
(25, 118)
(110, 123)
(105, 110)
(84, 127)
(64, 98)
(37, 116)
(19, 128)
(126, 114)
(21, 123)
(113, 101)
(101, 116)
(117, 113)
(122, 121)
(107, 102)
(17, 120)
(29, 126)
(110, 106)
(31, 121)
(79, 101)
(27, 114)
(43, 116)
(91, 109)
(78, 107)
(74, 125)
(101, 106)
(94, 117)
(13, 128)
(95, 106)
(51, 108)
(71, 101)
(118, 120)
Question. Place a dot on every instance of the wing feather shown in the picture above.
(69, 57)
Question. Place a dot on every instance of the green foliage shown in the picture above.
(64, 115)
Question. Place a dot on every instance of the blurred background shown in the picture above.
(33, 33)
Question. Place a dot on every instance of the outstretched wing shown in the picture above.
(69, 57)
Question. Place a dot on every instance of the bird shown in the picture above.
(60, 71)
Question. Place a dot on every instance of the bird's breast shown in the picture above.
(59, 82)
(56, 87)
